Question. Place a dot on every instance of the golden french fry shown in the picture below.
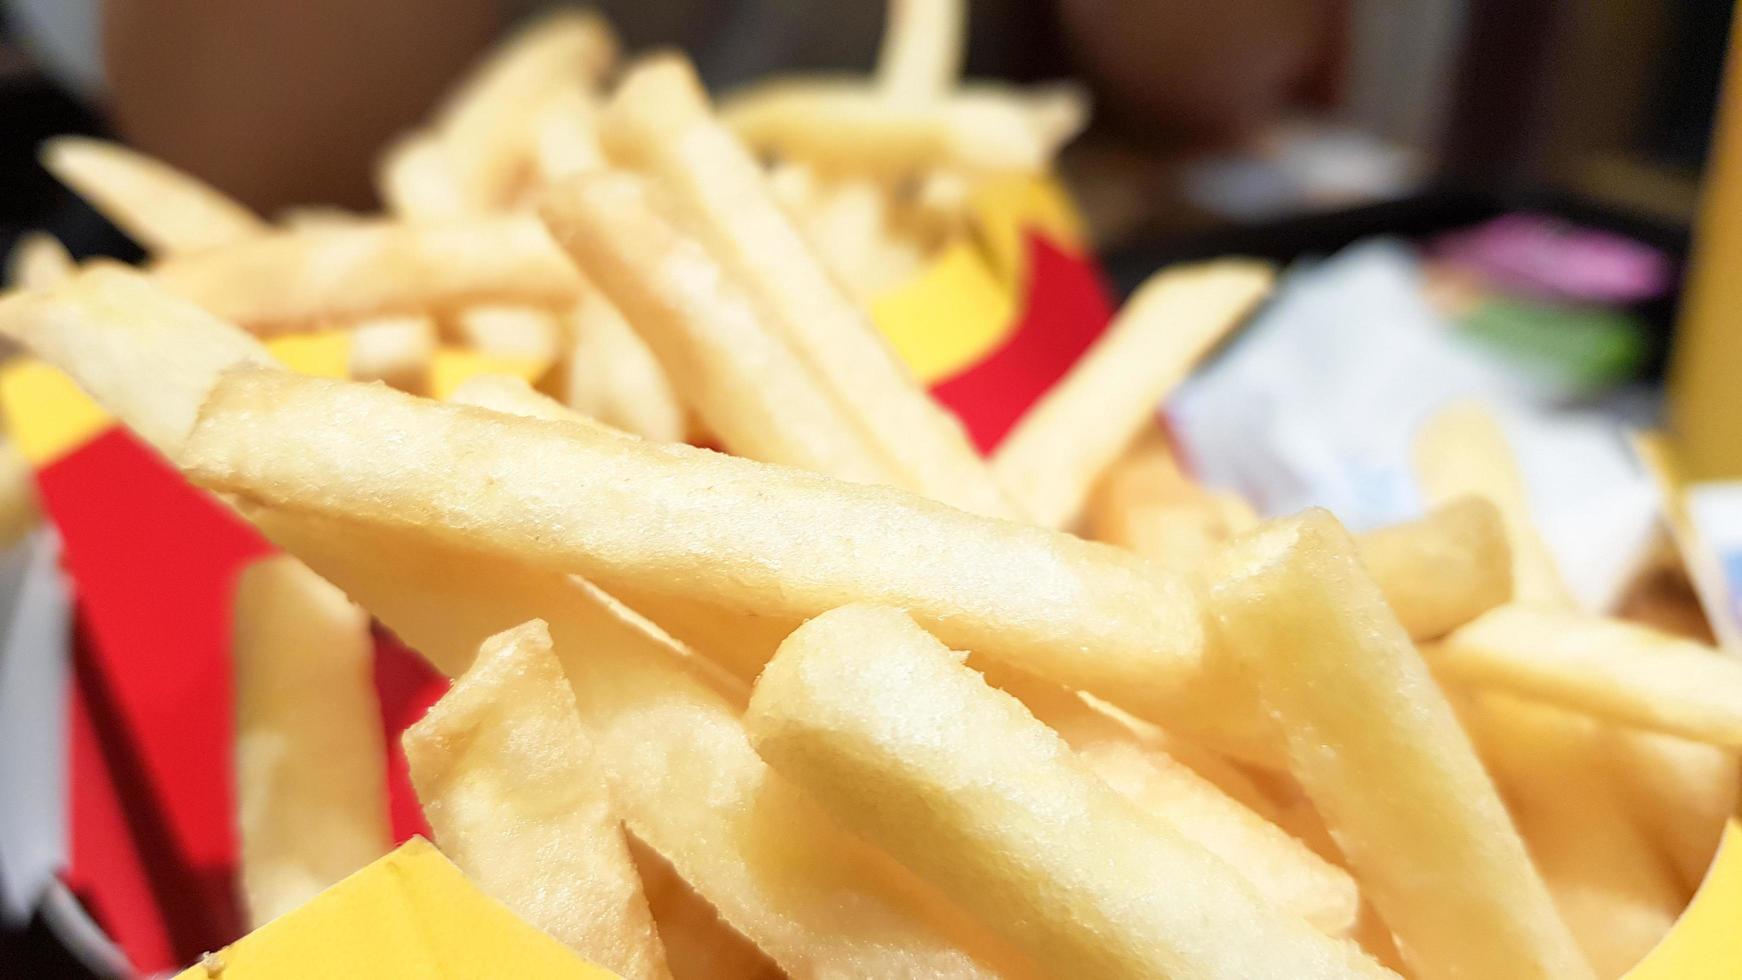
(1050, 461)
(698, 946)
(1627, 673)
(1147, 503)
(417, 181)
(163, 209)
(1059, 111)
(681, 767)
(660, 120)
(840, 124)
(1278, 867)
(923, 44)
(681, 522)
(146, 356)
(1443, 570)
(488, 124)
(525, 333)
(37, 261)
(1682, 791)
(298, 280)
(609, 374)
(18, 509)
(748, 387)
(396, 349)
(1462, 451)
(885, 727)
(1608, 879)
(794, 186)
(565, 136)
(517, 799)
(310, 759)
(1378, 750)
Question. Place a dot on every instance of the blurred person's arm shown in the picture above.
(283, 102)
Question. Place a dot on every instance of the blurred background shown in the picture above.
(1502, 145)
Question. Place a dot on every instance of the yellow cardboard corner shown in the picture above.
(410, 914)
(1706, 942)
(324, 355)
(47, 415)
(1005, 209)
(948, 317)
(454, 366)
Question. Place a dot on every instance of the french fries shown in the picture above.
(144, 355)
(300, 280)
(417, 181)
(1279, 868)
(847, 125)
(397, 349)
(161, 208)
(689, 784)
(885, 727)
(1682, 791)
(609, 374)
(659, 120)
(698, 946)
(1609, 881)
(517, 799)
(1462, 451)
(1431, 844)
(1050, 461)
(748, 387)
(486, 125)
(921, 53)
(1443, 570)
(1147, 503)
(38, 260)
(1089, 616)
(310, 763)
(1626, 673)
(525, 333)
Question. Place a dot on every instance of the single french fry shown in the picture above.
(1609, 881)
(396, 349)
(488, 123)
(310, 760)
(1278, 867)
(512, 789)
(1462, 451)
(923, 44)
(1147, 503)
(417, 181)
(609, 373)
(1059, 111)
(163, 209)
(143, 354)
(1682, 791)
(840, 124)
(37, 261)
(299, 280)
(698, 946)
(660, 120)
(685, 523)
(1382, 756)
(1050, 461)
(565, 136)
(526, 333)
(1629, 674)
(906, 745)
(18, 509)
(682, 770)
(748, 387)
(1443, 570)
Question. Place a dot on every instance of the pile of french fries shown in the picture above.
(848, 699)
